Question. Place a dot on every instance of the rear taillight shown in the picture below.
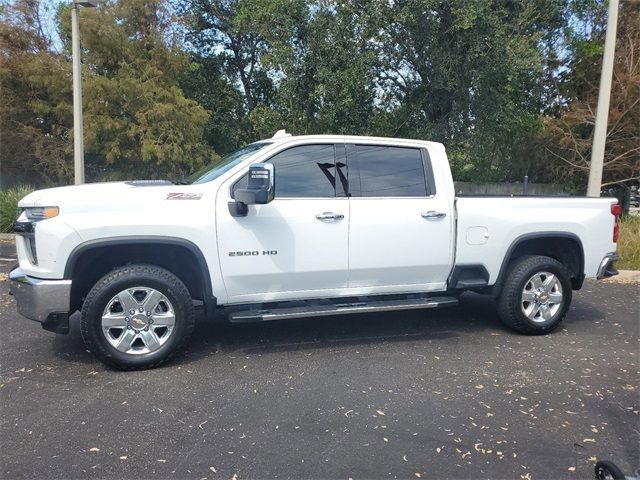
(616, 211)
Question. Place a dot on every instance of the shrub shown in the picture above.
(9, 199)
(629, 243)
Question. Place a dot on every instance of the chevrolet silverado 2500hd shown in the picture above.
(297, 226)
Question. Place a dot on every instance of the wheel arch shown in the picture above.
(89, 261)
(565, 247)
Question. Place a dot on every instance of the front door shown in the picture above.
(295, 246)
(400, 231)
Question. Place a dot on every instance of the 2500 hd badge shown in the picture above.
(252, 253)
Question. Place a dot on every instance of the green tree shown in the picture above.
(567, 139)
(306, 66)
(228, 125)
(327, 72)
(468, 73)
(138, 122)
(35, 99)
(218, 29)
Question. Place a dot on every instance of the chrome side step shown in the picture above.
(321, 310)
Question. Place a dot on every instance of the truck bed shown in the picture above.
(488, 226)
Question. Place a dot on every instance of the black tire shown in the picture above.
(608, 471)
(119, 280)
(510, 307)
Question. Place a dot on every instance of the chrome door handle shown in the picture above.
(329, 216)
(433, 214)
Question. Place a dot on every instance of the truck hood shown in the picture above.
(110, 194)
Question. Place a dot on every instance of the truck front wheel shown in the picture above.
(535, 295)
(137, 317)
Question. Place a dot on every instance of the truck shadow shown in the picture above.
(475, 314)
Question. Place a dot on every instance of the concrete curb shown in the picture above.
(625, 276)
(7, 237)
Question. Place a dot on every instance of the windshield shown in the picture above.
(211, 172)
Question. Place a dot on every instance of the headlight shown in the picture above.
(26, 226)
(35, 214)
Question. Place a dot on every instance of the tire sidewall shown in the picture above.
(544, 265)
(108, 288)
(603, 467)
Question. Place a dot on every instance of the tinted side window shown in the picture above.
(388, 172)
(304, 171)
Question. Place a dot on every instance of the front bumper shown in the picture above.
(606, 268)
(45, 301)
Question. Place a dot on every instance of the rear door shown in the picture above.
(295, 246)
(400, 228)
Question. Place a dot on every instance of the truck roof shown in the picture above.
(285, 138)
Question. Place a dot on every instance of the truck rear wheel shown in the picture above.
(137, 317)
(535, 295)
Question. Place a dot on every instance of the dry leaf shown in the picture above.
(572, 469)
(94, 449)
(380, 412)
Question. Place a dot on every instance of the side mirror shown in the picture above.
(260, 189)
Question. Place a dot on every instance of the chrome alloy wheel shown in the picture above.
(541, 297)
(138, 320)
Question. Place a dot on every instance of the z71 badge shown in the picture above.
(184, 196)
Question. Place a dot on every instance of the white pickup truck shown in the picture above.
(297, 226)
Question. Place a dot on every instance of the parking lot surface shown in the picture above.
(424, 394)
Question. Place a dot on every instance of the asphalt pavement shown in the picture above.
(424, 394)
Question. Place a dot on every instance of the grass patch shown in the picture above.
(9, 199)
(629, 243)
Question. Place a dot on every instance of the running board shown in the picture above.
(371, 306)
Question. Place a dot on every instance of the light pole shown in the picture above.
(602, 114)
(78, 139)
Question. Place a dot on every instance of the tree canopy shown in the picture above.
(169, 85)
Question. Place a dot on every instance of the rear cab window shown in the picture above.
(389, 171)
